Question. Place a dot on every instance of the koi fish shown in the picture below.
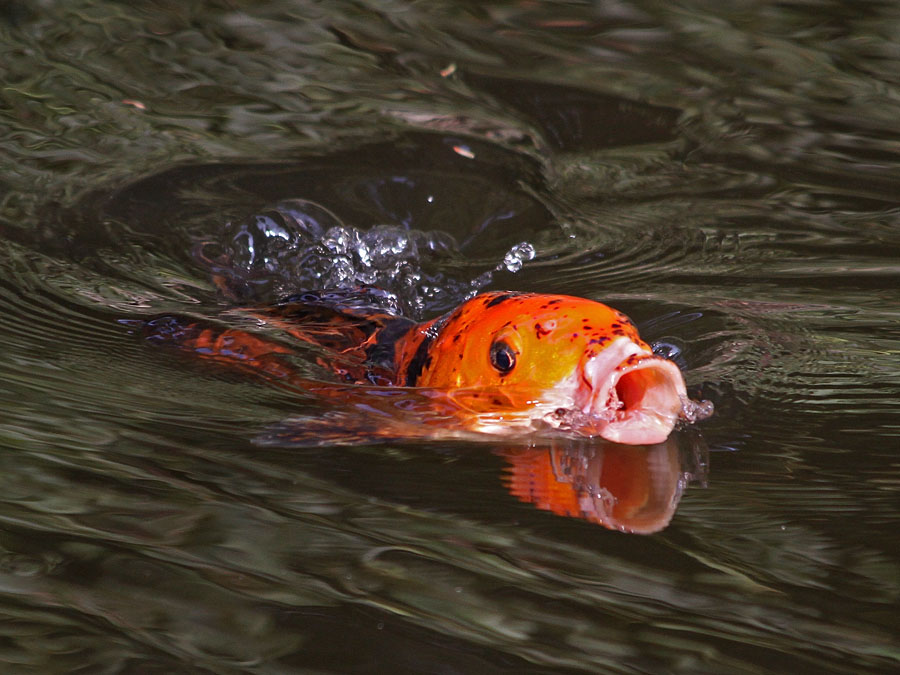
(500, 364)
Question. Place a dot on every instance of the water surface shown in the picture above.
(726, 176)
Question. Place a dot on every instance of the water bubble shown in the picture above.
(517, 256)
(264, 241)
(572, 419)
(299, 245)
(340, 240)
(693, 411)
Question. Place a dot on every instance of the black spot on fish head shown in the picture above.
(503, 297)
(540, 330)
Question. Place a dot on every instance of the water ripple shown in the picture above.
(727, 175)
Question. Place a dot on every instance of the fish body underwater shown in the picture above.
(500, 364)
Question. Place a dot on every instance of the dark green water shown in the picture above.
(730, 177)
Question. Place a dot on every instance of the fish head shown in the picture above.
(535, 354)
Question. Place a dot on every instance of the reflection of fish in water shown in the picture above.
(626, 488)
(501, 363)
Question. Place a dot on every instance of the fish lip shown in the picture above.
(635, 396)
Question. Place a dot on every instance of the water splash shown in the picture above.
(299, 245)
(694, 411)
(572, 419)
(590, 423)
(516, 257)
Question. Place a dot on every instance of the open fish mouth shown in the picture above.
(635, 395)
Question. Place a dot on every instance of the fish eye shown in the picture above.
(503, 358)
